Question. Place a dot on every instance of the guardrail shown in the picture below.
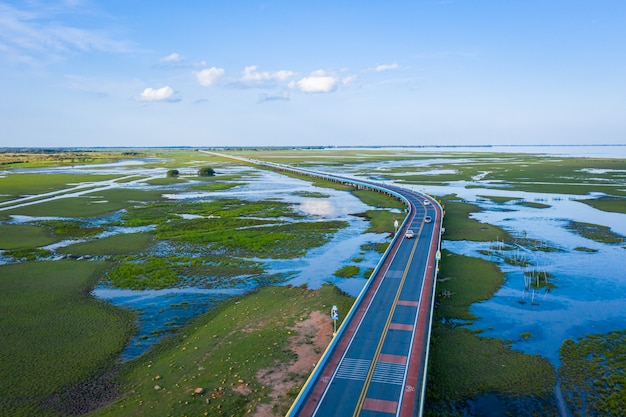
(359, 184)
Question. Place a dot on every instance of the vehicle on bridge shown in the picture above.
(409, 234)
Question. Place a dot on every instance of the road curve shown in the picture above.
(376, 365)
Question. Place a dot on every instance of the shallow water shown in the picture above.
(161, 311)
(588, 297)
(168, 309)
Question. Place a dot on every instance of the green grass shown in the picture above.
(225, 352)
(376, 247)
(217, 186)
(459, 225)
(28, 254)
(122, 244)
(236, 227)
(167, 181)
(595, 232)
(470, 279)
(66, 228)
(592, 374)
(347, 271)
(382, 221)
(54, 334)
(463, 365)
(318, 182)
(499, 199)
(610, 204)
(310, 194)
(90, 205)
(153, 273)
(534, 204)
(379, 200)
(27, 184)
(13, 236)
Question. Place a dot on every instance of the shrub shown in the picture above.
(206, 172)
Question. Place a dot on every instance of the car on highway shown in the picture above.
(426, 202)
(409, 234)
(428, 219)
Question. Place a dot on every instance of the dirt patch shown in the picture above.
(312, 336)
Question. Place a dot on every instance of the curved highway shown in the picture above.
(376, 364)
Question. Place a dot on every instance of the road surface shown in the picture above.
(376, 365)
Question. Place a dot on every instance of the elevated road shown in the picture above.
(376, 365)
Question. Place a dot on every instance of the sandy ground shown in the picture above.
(311, 338)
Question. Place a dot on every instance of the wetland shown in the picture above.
(529, 286)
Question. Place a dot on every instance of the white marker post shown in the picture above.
(334, 315)
(395, 226)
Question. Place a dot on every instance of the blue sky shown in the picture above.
(241, 73)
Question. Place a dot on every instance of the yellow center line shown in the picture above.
(383, 336)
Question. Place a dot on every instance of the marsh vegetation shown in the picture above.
(133, 227)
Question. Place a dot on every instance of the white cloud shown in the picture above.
(284, 96)
(386, 67)
(39, 32)
(318, 82)
(209, 76)
(173, 57)
(250, 74)
(160, 94)
(349, 80)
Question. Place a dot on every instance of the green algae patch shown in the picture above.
(54, 334)
(592, 374)
(16, 236)
(233, 359)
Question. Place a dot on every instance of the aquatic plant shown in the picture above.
(347, 271)
(28, 254)
(231, 353)
(595, 232)
(592, 374)
(463, 365)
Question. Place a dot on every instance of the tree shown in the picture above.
(206, 172)
(172, 173)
